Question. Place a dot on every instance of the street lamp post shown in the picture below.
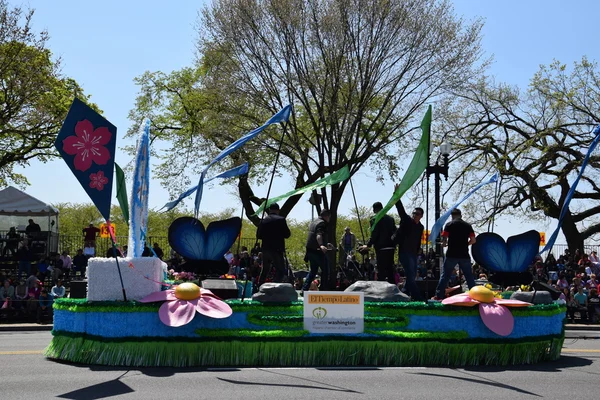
(438, 170)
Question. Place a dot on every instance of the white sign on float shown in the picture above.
(334, 312)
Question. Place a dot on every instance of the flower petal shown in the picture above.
(100, 154)
(512, 303)
(176, 313)
(497, 318)
(73, 145)
(159, 296)
(84, 129)
(213, 308)
(206, 292)
(102, 136)
(460, 300)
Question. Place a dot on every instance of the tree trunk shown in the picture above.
(574, 238)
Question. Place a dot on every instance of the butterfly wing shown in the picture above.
(489, 251)
(522, 249)
(187, 237)
(220, 236)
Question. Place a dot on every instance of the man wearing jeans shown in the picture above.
(316, 251)
(457, 235)
(408, 238)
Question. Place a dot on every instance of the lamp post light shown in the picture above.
(437, 170)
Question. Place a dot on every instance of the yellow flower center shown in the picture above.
(481, 294)
(187, 291)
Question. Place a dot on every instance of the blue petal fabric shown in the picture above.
(565, 206)
(515, 255)
(230, 173)
(282, 116)
(439, 224)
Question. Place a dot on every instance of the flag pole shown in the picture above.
(114, 246)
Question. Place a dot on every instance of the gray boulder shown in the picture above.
(378, 291)
(276, 293)
(541, 297)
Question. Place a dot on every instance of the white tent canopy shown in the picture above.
(16, 207)
(15, 202)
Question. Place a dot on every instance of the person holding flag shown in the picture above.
(408, 239)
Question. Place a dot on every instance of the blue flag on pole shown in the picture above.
(282, 116)
(230, 173)
(571, 192)
(87, 142)
(439, 224)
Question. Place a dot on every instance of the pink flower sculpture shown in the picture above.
(493, 311)
(88, 145)
(98, 180)
(184, 300)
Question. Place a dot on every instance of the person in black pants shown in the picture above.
(381, 240)
(458, 235)
(408, 238)
(273, 231)
(316, 251)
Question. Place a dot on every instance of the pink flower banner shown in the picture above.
(87, 143)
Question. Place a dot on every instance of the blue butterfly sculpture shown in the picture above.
(508, 260)
(204, 249)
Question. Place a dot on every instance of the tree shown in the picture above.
(357, 73)
(35, 97)
(537, 140)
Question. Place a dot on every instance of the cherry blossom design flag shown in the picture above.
(87, 143)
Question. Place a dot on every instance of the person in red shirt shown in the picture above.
(90, 234)
(457, 235)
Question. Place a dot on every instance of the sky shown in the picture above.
(105, 45)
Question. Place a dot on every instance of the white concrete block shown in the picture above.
(140, 281)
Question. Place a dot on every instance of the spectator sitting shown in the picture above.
(581, 303)
(158, 251)
(21, 295)
(58, 290)
(43, 268)
(12, 242)
(592, 283)
(67, 263)
(7, 295)
(593, 305)
(80, 262)
(45, 306)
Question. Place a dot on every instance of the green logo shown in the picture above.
(319, 313)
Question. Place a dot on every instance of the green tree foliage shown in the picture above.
(357, 72)
(35, 97)
(537, 140)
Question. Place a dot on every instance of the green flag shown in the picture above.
(415, 169)
(122, 193)
(338, 176)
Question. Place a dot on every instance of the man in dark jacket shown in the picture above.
(381, 240)
(273, 231)
(408, 238)
(316, 251)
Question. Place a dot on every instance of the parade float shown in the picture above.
(132, 317)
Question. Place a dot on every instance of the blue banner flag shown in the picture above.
(282, 116)
(439, 224)
(571, 192)
(230, 173)
(87, 142)
(138, 216)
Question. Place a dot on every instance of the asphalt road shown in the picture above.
(26, 374)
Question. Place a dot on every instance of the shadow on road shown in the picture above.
(99, 391)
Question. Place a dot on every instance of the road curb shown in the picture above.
(25, 327)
